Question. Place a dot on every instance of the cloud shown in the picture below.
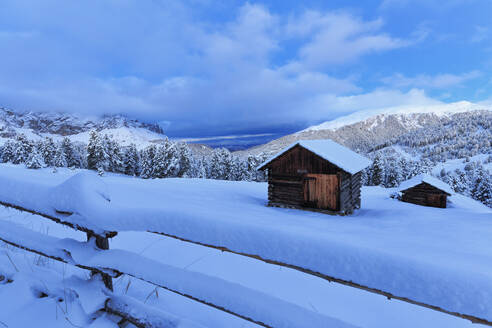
(333, 106)
(433, 4)
(481, 33)
(337, 38)
(439, 81)
(160, 60)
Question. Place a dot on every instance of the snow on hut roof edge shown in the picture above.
(343, 157)
(418, 179)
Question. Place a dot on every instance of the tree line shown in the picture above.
(474, 180)
(169, 159)
(102, 153)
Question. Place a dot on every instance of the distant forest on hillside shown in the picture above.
(394, 161)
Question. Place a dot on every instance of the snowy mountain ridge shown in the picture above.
(399, 111)
(37, 125)
(363, 131)
(67, 124)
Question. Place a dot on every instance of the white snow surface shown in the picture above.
(354, 306)
(70, 300)
(401, 248)
(254, 304)
(125, 136)
(418, 179)
(438, 109)
(333, 152)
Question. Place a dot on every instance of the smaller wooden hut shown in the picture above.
(425, 190)
(316, 174)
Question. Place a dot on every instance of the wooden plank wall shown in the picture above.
(420, 195)
(322, 191)
(299, 161)
(350, 198)
(286, 179)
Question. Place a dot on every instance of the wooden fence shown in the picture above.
(116, 306)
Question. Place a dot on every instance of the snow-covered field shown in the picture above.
(437, 256)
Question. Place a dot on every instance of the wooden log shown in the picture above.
(68, 259)
(114, 273)
(138, 313)
(108, 234)
(329, 278)
(102, 243)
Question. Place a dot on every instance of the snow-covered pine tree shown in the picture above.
(482, 186)
(22, 149)
(60, 159)
(97, 158)
(131, 160)
(393, 176)
(377, 171)
(48, 150)
(80, 152)
(166, 163)
(184, 158)
(197, 168)
(114, 153)
(239, 169)
(8, 151)
(35, 159)
(71, 153)
(147, 159)
(220, 164)
(252, 163)
(404, 170)
(92, 159)
(459, 181)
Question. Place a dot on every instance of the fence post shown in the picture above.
(102, 243)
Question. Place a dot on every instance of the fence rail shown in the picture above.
(107, 273)
(248, 304)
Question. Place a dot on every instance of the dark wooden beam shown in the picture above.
(117, 273)
(106, 234)
(103, 244)
(389, 296)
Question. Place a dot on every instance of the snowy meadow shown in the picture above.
(400, 248)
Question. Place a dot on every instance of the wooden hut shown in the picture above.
(315, 174)
(425, 190)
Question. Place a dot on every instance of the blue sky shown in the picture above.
(205, 67)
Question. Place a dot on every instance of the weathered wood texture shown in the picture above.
(350, 283)
(321, 191)
(116, 273)
(300, 178)
(426, 195)
(102, 243)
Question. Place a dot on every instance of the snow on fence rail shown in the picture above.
(87, 210)
(242, 302)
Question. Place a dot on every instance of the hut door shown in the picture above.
(321, 191)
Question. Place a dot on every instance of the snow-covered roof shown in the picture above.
(341, 156)
(416, 180)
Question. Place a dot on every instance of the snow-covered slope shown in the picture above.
(37, 125)
(400, 111)
(36, 275)
(365, 130)
(425, 266)
(125, 136)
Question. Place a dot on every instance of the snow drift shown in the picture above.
(400, 248)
